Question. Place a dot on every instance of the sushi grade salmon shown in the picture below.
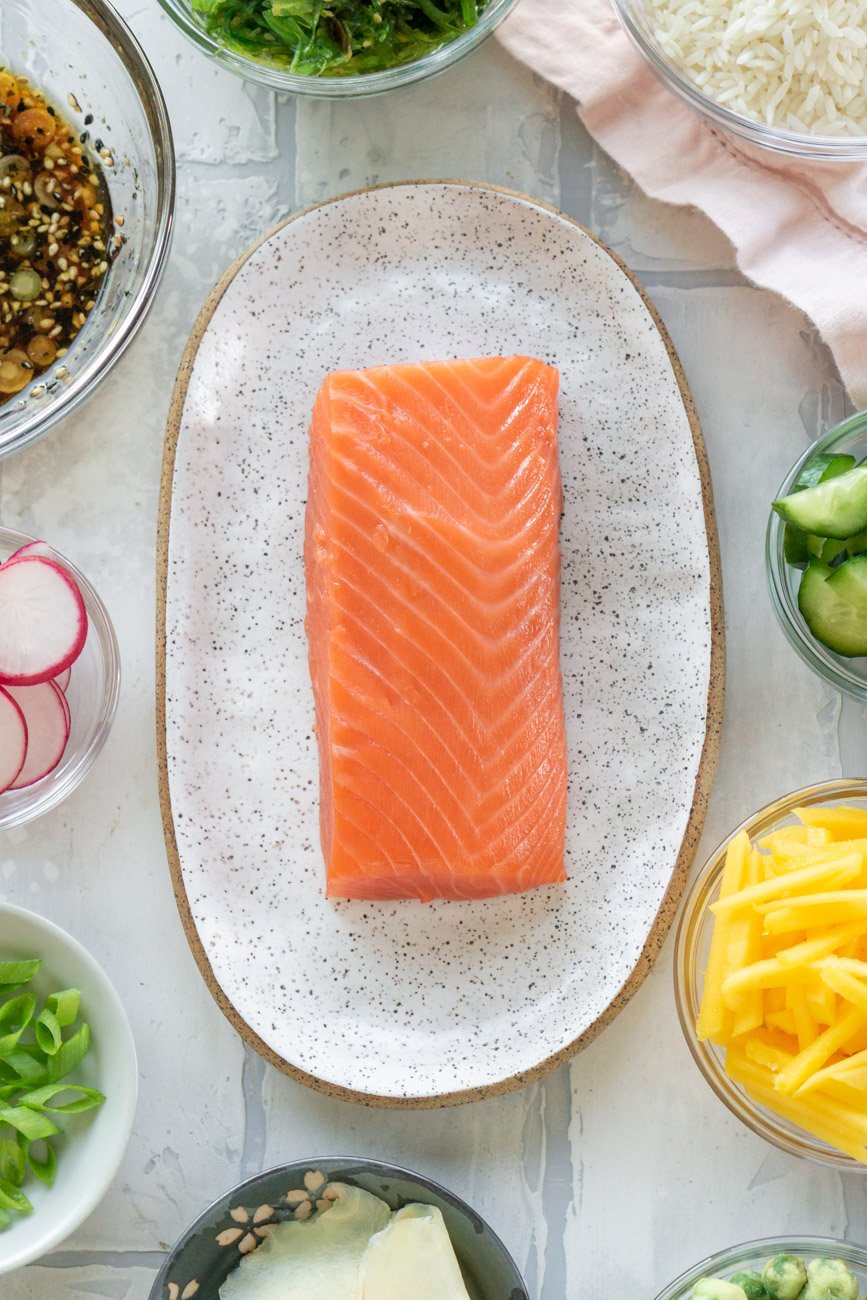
(433, 581)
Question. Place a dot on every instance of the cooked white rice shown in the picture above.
(796, 64)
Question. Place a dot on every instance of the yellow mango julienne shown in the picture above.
(841, 823)
(785, 991)
(841, 870)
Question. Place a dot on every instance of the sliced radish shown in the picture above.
(13, 740)
(45, 713)
(43, 621)
(66, 709)
(42, 549)
(62, 679)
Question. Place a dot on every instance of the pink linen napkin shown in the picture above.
(798, 227)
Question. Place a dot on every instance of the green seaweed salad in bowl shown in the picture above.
(337, 48)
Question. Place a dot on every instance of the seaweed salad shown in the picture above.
(334, 38)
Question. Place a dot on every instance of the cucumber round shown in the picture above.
(836, 507)
(837, 621)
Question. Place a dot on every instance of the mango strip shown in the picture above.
(766, 974)
(825, 1109)
(814, 1057)
(807, 855)
(744, 948)
(845, 984)
(822, 1001)
(805, 1025)
(714, 1019)
(782, 1020)
(809, 1114)
(852, 965)
(843, 823)
(839, 871)
(822, 946)
(851, 1094)
(785, 835)
(853, 1066)
(810, 913)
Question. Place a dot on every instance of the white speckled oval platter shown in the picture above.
(412, 1004)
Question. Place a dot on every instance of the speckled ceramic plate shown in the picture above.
(407, 1004)
(236, 1223)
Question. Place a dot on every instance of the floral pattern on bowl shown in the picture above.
(237, 1223)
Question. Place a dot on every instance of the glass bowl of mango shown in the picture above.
(771, 973)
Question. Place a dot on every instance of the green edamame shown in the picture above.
(784, 1277)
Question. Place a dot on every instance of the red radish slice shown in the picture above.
(44, 709)
(65, 702)
(43, 621)
(62, 679)
(41, 549)
(13, 740)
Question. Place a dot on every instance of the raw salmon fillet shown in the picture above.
(433, 611)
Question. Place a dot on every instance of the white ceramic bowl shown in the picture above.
(95, 1142)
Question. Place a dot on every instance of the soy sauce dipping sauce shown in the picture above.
(55, 233)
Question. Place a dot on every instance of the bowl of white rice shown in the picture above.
(788, 75)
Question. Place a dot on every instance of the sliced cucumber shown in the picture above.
(836, 507)
(837, 621)
(800, 547)
(833, 549)
(822, 466)
(850, 581)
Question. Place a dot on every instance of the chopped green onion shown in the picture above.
(65, 1006)
(11, 1198)
(71, 1052)
(35, 1060)
(43, 1166)
(86, 1099)
(13, 1163)
(29, 1123)
(15, 1016)
(48, 1032)
(15, 973)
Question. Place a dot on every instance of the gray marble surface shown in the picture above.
(617, 1171)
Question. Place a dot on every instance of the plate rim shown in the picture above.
(713, 728)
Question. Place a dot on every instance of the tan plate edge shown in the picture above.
(710, 750)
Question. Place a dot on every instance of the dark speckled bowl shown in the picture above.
(208, 1251)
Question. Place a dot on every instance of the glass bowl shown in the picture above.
(92, 694)
(368, 83)
(849, 675)
(692, 945)
(753, 1255)
(87, 62)
(635, 15)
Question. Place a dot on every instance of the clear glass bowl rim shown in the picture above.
(761, 1122)
(37, 422)
(815, 655)
(351, 87)
(727, 1261)
(851, 148)
(51, 791)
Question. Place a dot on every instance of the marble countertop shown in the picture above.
(623, 1160)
